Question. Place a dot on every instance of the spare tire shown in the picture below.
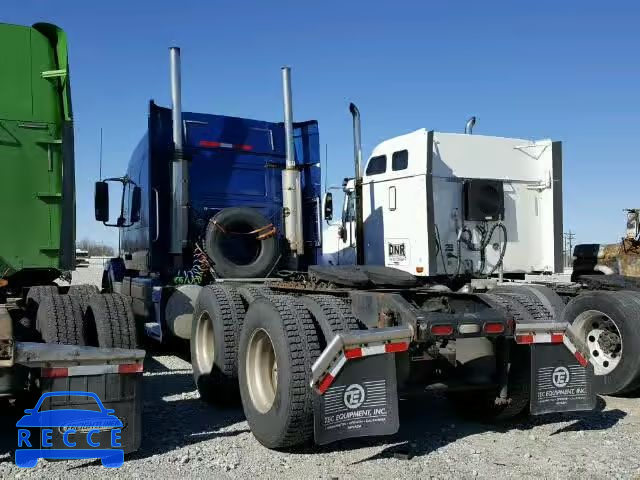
(236, 251)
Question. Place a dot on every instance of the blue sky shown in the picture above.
(540, 69)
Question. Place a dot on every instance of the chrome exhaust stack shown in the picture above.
(180, 167)
(468, 127)
(357, 154)
(291, 185)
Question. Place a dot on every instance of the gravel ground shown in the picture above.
(182, 436)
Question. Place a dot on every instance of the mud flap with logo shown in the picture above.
(558, 382)
(362, 401)
(120, 392)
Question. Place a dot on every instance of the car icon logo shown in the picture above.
(70, 433)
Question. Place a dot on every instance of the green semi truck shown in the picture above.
(37, 201)
(49, 333)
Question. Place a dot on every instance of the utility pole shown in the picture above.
(568, 245)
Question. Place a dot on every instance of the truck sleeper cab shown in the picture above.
(430, 200)
(235, 170)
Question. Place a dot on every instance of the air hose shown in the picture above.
(466, 238)
(195, 275)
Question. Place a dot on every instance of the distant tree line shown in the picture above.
(94, 248)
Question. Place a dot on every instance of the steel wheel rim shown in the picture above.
(261, 371)
(603, 338)
(205, 343)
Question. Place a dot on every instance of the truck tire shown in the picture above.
(332, 314)
(83, 293)
(609, 323)
(215, 330)
(481, 404)
(278, 344)
(528, 311)
(539, 294)
(109, 322)
(60, 318)
(235, 252)
(34, 297)
(250, 293)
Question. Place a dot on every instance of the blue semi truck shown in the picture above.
(220, 224)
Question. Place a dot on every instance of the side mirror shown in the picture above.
(136, 201)
(342, 234)
(328, 206)
(101, 201)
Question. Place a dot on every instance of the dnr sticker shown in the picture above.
(363, 401)
(559, 383)
(397, 252)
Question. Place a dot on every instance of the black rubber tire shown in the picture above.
(109, 322)
(480, 404)
(61, 320)
(217, 380)
(539, 294)
(83, 293)
(332, 314)
(33, 299)
(250, 292)
(623, 308)
(512, 307)
(240, 219)
(294, 337)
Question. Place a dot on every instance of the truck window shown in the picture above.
(399, 160)
(349, 211)
(377, 165)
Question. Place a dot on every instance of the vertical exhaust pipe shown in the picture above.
(291, 186)
(468, 127)
(357, 154)
(179, 168)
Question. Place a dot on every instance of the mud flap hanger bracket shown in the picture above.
(553, 332)
(356, 344)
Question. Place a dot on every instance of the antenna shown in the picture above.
(101, 153)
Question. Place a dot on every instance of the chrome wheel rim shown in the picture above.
(603, 338)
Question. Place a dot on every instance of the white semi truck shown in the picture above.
(457, 207)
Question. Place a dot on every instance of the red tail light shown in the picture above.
(54, 372)
(130, 368)
(441, 330)
(494, 327)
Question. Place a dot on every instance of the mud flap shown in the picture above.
(558, 382)
(362, 401)
(120, 392)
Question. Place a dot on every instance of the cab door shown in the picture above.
(394, 204)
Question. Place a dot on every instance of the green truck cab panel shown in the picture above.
(37, 191)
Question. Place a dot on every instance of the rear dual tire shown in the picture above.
(215, 330)
(609, 323)
(61, 321)
(278, 344)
